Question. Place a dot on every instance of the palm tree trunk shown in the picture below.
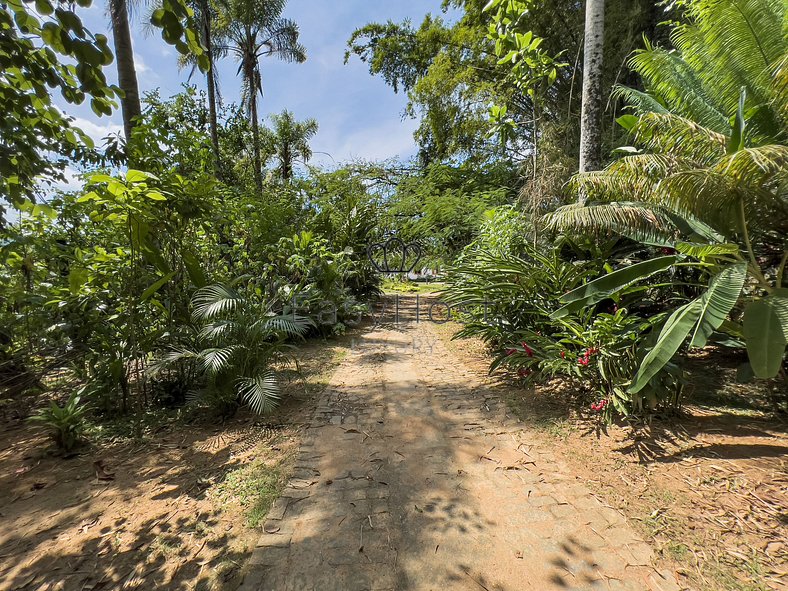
(211, 80)
(124, 58)
(258, 161)
(591, 119)
(287, 163)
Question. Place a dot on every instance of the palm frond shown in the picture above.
(676, 84)
(733, 44)
(641, 101)
(668, 133)
(216, 360)
(260, 392)
(212, 301)
(290, 325)
(639, 221)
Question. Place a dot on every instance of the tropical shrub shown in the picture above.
(238, 342)
(511, 303)
(708, 179)
(65, 424)
(312, 280)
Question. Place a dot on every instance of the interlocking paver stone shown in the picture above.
(413, 476)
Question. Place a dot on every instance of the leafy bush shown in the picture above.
(511, 304)
(706, 180)
(240, 340)
(66, 423)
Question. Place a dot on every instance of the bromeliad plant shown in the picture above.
(239, 343)
(66, 423)
(708, 179)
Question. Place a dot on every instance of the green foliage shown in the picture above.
(443, 207)
(708, 177)
(49, 48)
(288, 142)
(511, 304)
(65, 424)
(240, 340)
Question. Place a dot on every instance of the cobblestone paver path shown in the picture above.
(412, 476)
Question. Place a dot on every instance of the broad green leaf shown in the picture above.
(766, 342)
(673, 334)
(136, 176)
(194, 269)
(156, 286)
(628, 122)
(717, 302)
(601, 288)
(700, 251)
(77, 277)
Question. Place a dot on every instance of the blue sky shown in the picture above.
(359, 116)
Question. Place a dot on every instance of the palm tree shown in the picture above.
(708, 177)
(124, 58)
(288, 141)
(251, 30)
(591, 118)
(241, 340)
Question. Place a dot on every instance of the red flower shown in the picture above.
(599, 406)
(510, 352)
(524, 373)
(563, 354)
(528, 350)
(582, 360)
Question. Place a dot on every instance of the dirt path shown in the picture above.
(413, 476)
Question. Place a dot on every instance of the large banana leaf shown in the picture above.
(601, 288)
(717, 302)
(676, 329)
(765, 335)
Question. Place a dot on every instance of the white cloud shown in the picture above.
(98, 129)
(72, 182)
(140, 65)
(388, 140)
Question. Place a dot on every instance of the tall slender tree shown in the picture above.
(288, 141)
(124, 59)
(251, 30)
(591, 118)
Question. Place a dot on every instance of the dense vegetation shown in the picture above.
(201, 247)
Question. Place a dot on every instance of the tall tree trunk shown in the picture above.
(591, 122)
(287, 163)
(258, 161)
(211, 80)
(124, 58)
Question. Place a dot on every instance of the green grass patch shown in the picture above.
(254, 487)
(399, 286)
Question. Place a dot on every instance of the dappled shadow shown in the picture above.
(408, 480)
